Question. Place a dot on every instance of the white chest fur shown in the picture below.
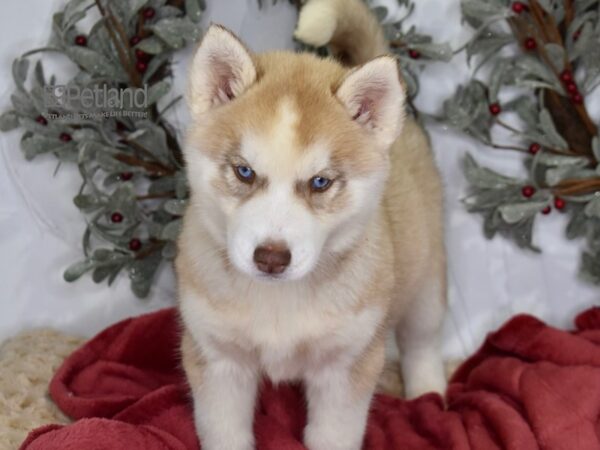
(285, 336)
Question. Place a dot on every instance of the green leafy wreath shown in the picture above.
(542, 59)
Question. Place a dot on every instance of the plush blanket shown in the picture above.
(530, 386)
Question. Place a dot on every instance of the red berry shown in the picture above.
(577, 98)
(135, 40)
(41, 120)
(81, 40)
(530, 44)
(495, 109)
(116, 217)
(518, 7)
(534, 148)
(126, 176)
(65, 137)
(546, 210)
(566, 76)
(572, 88)
(559, 203)
(135, 244)
(414, 54)
(148, 13)
(121, 126)
(528, 191)
(141, 55)
(577, 34)
(141, 66)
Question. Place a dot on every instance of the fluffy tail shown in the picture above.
(347, 26)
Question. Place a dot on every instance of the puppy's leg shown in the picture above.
(339, 399)
(417, 336)
(224, 394)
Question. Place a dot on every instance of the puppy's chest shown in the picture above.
(288, 343)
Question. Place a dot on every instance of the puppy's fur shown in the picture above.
(366, 254)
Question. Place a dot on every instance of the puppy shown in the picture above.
(314, 226)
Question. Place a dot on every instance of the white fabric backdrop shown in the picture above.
(40, 229)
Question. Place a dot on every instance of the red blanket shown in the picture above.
(529, 387)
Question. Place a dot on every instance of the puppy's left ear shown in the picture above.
(222, 69)
(374, 97)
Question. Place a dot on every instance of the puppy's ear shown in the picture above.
(374, 97)
(222, 69)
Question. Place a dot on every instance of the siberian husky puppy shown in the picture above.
(314, 226)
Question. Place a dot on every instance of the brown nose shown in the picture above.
(272, 257)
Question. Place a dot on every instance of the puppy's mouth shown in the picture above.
(271, 277)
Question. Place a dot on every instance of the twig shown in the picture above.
(577, 187)
(151, 248)
(538, 14)
(569, 13)
(168, 194)
(507, 126)
(517, 29)
(548, 24)
(140, 149)
(122, 46)
(397, 44)
(569, 152)
(152, 167)
(507, 147)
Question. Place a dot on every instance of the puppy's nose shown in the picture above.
(272, 257)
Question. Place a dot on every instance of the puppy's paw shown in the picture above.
(317, 22)
(422, 374)
(235, 441)
(319, 437)
(432, 382)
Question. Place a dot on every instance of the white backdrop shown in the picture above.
(40, 228)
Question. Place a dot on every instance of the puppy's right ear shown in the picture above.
(222, 69)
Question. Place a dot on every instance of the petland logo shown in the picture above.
(97, 101)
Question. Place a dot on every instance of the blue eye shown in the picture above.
(244, 173)
(320, 184)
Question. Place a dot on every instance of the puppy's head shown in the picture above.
(287, 154)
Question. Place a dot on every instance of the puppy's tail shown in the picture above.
(347, 26)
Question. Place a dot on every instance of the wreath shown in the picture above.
(542, 59)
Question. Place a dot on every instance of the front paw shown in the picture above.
(234, 441)
(423, 374)
(431, 382)
(322, 438)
